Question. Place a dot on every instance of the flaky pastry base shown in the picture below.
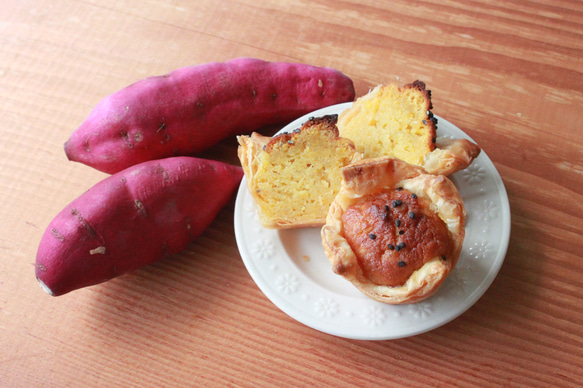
(372, 176)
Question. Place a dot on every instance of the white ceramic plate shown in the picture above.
(291, 269)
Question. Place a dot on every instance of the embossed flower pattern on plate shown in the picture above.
(487, 210)
(287, 283)
(263, 249)
(480, 250)
(421, 310)
(327, 307)
(459, 280)
(374, 316)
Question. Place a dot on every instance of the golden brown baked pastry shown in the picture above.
(294, 177)
(393, 230)
(398, 122)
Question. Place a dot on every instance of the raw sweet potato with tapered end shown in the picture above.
(192, 108)
(133, 218)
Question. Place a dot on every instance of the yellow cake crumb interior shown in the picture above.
(300, 177)
(391, 122)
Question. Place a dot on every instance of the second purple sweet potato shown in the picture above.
(131, 219)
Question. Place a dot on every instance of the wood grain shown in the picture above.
(508, 73)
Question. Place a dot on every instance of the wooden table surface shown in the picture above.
(508, 73)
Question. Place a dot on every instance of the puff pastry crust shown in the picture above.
(434, 194)
(450, 156)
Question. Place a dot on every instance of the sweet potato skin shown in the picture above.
(133, 218)
(192, 108)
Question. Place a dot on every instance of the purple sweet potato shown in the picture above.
(133, 218)
(192, 108)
